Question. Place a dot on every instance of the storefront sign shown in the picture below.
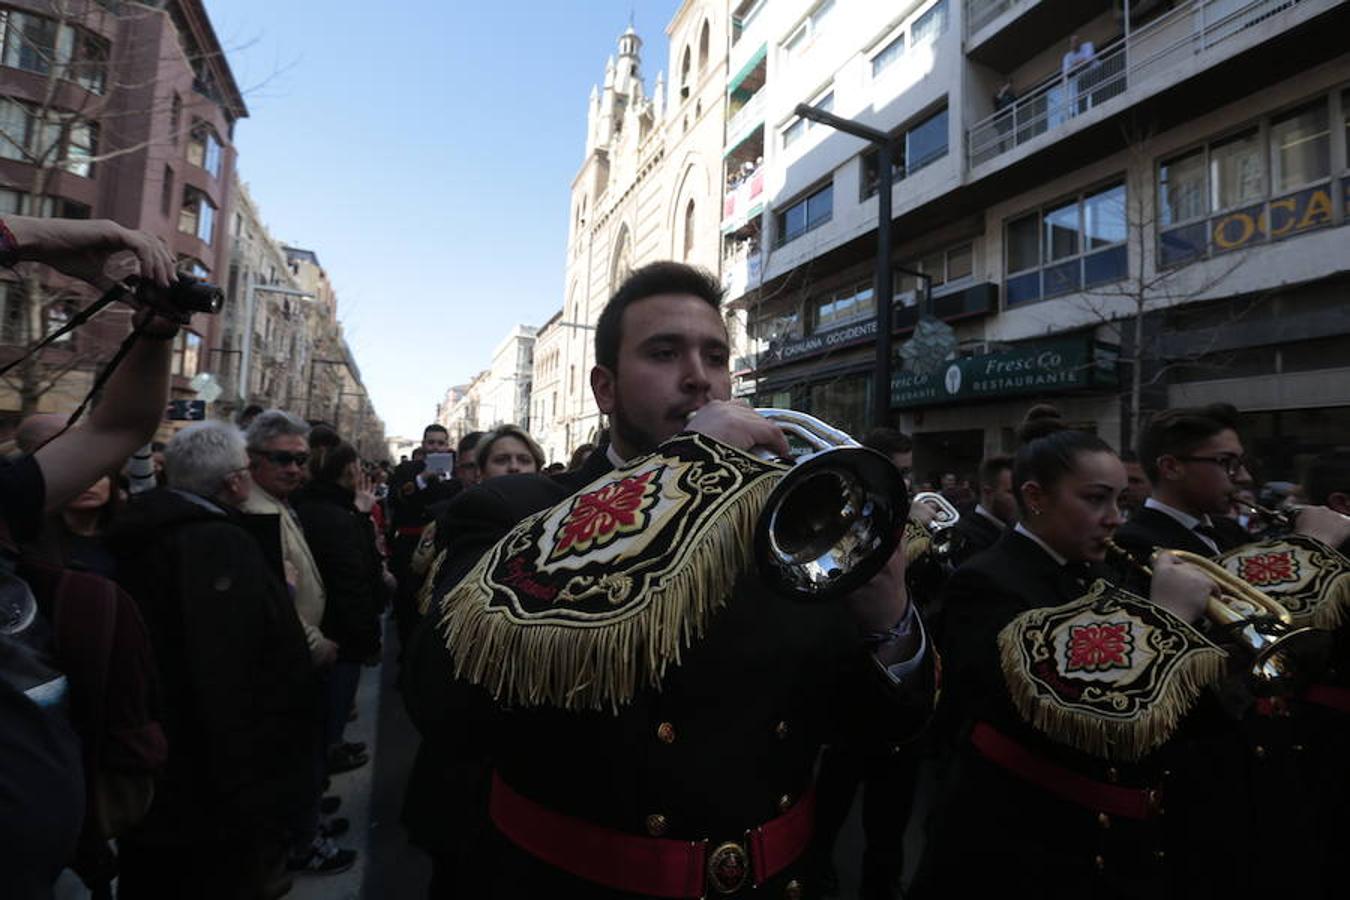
(1303, 211)
(1043, 367)
(796, 348)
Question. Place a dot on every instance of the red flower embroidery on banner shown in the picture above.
(1097, 648)
(1261, 569)
(597, 517)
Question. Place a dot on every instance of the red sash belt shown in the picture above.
(1336, 698)
(657, 867)
(410, 530)
(1130, 803)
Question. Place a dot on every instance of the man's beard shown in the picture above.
(637, 439)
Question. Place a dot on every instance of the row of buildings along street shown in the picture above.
(127, 111)
(1118, 205)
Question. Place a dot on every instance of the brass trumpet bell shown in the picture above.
(942, 533)
(834, 519)
(1283, 656)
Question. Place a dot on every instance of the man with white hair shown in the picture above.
(236, 678)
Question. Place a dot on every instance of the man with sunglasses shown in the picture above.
(278, 451)
(1195, 460)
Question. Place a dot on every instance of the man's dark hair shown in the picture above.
(992, 467)
(1177, 432)
(466, 444)
(435, 426)
(649, 281)
(1129, 456)
(887, 441)
(1326, 475)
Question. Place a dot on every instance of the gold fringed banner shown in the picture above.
(1305, 576)
(428, 588)
(582, 605)
(1109, 674)
(917, 540)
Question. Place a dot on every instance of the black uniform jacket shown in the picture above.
(996, 832)
(1150, 528)
(977, 534)
(729, 740)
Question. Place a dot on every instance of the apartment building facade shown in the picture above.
(1154, 219)
(120, 111)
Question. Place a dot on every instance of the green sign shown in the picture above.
(1043, 367)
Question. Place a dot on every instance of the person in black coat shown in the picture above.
(336, 519)
(998, 827)
(996, 512)
(666, 784)
(1195, 460)
(237, 681)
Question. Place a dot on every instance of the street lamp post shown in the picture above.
(883, 287)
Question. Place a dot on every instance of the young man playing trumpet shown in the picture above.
(652, 712)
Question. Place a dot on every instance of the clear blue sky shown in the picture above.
(425, 150)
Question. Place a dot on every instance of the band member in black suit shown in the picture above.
(996, 512)
(605, 785)
(1024, 814)
(1326, 482)
(1195, 460)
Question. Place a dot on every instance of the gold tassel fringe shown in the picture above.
(604, 666)
(1111, 739)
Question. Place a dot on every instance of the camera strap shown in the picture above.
(115, 293)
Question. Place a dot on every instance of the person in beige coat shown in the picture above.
(278, 450)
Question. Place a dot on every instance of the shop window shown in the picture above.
(919, 145)
(948, 270)
(931, 24)
(198, 215)
(204, 149)
(851, 304)
(799, 127)
(1300, 148)
(804, 34)
(804, 215)
(1067, 247)
(1266, 183)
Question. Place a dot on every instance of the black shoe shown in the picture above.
(329, 805)
(335, 827)
(340, 760)
(324, 858)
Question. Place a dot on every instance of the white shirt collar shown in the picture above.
(614, 458)
(979, 508)
(1187, 520)
(1184, 518)
(1020, 529)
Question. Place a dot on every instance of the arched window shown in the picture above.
(688, 230)
(684, 74)
(703, 46)
(622, 265)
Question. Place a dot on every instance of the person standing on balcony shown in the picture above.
(1081, 54)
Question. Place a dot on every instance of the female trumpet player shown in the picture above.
(1026, 815)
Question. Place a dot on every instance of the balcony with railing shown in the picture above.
(1193, 37)
(747, 117)
(1003, 33)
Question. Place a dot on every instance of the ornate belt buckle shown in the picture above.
(728, 867)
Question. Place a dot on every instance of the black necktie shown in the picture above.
(1076, 576)
(1210, 532)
